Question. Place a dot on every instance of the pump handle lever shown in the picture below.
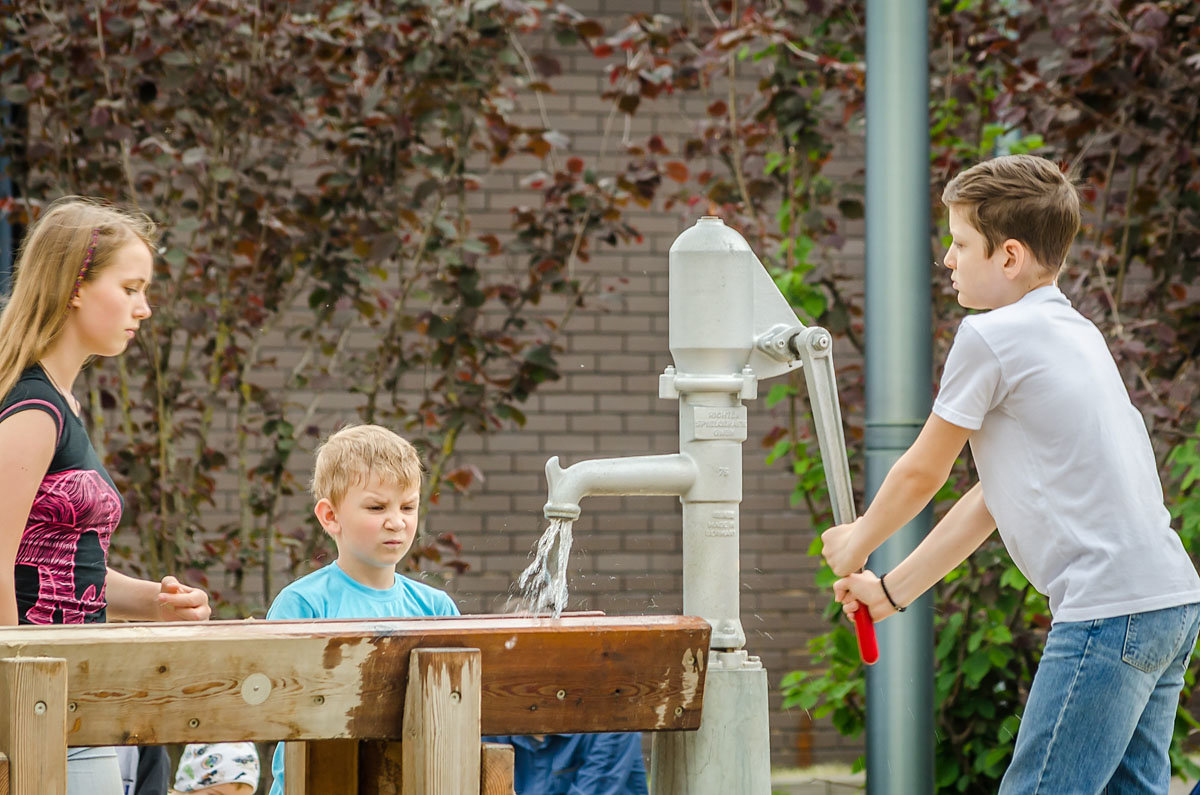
(814, 347)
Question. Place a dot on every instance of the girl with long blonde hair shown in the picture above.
(79, 291)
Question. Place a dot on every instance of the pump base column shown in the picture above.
(731, 751)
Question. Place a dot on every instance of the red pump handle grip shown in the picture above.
(864, 630)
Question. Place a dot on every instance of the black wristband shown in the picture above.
(891, 601)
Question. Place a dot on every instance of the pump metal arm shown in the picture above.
(813, 346)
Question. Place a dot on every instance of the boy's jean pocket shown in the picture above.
(1153, 640)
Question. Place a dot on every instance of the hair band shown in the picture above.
(87, 262)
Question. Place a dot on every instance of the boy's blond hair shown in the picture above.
(1019, 197)
(355, 453)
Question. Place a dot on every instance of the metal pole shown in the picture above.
(899, 371)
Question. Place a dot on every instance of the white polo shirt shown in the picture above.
(1067, 469)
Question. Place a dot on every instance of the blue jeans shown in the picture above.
(1102, 706)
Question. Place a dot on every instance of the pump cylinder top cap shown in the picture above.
(709, 233)
(710, 297)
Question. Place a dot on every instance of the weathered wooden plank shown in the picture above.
(33, 732)
(440, 751)
(496, 775)
(295, 768)
(314, 768)
(336, 679)
(379, 767)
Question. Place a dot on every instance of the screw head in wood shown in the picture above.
(194, 723)
(39, 708)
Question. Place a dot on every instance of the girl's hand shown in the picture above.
(840, 551)
(863, 588)
(179, 602)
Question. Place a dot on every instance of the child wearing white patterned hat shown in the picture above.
(218, 769)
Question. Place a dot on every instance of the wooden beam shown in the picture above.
(496, 769)
(337, 679)
(33, 726)
(440, 751)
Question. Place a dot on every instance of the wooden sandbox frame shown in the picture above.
(369, 706)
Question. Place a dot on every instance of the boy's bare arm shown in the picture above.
(967, 525)
(909, 486)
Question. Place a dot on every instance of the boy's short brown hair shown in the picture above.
(355, 453)
(1019, 197)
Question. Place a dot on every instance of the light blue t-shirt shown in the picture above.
(330, 593)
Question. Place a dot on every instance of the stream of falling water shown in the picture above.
(544, 583)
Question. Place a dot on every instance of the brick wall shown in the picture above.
(627, 551)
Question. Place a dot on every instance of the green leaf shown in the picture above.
(1013, 578)
(542, 355)
(975, 667)
(781, 448)
(778, 393)
(851, 209)
(814, 304)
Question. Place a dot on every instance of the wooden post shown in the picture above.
(317, 767)
(496, 769)
(33, 724)
(441, 748)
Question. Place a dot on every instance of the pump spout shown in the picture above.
(643, 474)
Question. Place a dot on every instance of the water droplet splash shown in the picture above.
(544, 583)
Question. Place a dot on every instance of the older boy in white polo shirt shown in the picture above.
(1067, 474)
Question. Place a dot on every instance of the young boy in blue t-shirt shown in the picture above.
(367, 484)
(1066, 473)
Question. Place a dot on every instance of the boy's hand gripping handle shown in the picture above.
(815, 349)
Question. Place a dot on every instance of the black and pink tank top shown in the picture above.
(62, 558)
